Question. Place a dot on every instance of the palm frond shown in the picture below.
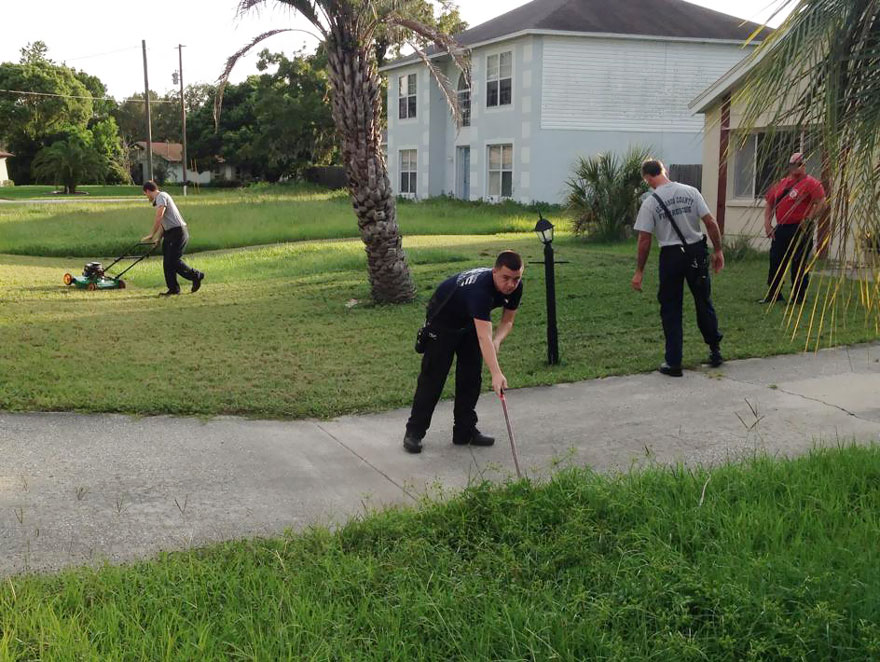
(604, 193)
(443, 42)
(446, 44)
(819, 74)
(308, 8)
(230, 64)
(449, 90)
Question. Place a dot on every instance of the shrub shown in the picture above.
(739, 248)
(604, 194)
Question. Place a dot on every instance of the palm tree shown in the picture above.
(347, 30)
(604, 194)
(819, 75)
(70, 162)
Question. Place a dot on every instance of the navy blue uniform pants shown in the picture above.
(675, 271)
(436, 362)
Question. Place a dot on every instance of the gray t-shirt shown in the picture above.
(171, 218)
(686, 205)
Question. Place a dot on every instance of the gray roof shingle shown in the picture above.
(657, 18)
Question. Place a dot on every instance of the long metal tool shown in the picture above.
(510, 434)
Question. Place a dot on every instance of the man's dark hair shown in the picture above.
(509, 259)
(150, 186)
(652, 168)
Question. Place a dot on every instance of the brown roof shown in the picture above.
(171, 152)
(655, 18)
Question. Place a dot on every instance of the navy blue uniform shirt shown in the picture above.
(475, 297)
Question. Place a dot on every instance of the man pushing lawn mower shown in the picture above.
(169, 225)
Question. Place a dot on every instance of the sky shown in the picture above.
(104, 40)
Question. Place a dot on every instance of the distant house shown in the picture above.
(168, 165)
(4, 173)
(551, 81)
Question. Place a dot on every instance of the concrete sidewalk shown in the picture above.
(78, 489)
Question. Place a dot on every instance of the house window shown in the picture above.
(406, 96)
(464, 100)
(501, 171)
(408, 171)
(499, 79)
(762, 160)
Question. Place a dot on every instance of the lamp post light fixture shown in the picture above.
(544, 230)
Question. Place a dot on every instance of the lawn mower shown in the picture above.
(95, 276)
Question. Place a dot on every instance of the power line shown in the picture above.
(74, 96)
(86, 57)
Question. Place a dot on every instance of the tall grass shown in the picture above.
(245, 217)
(765, 560)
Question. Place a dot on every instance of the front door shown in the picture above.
(463, 173)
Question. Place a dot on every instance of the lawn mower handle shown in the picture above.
(137, 258)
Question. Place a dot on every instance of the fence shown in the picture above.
(329, 176)
(692, 175)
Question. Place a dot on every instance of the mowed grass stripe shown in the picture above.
(275, 331)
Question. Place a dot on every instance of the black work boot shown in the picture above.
(197, 283)
(670, 370)
(411, 443)
(715, 358)
(475, 438)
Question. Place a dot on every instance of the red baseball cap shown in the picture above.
(796, 159)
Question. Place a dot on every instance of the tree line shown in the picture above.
(62, 127)
(273, 124)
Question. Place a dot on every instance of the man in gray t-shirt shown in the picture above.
(683, 258)
(169, 224)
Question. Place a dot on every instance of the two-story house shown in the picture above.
(551, 81)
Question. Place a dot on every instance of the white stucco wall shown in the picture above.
(572, 96)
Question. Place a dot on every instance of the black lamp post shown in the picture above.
(544, 230)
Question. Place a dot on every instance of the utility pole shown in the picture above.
(149, 123)
(182, 113)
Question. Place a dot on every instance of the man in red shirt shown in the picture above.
(796, 201)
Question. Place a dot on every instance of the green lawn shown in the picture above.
(233, 218)
(44, 191)
(41, 191)
(769, 560)
(273, 332)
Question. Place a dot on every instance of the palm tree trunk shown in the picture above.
(357, 107)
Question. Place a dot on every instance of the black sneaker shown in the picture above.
(169, 293)
(476, 438)
(197, 283)
(768, 299)
(715, 358)
(670, 370)
(412, 444)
